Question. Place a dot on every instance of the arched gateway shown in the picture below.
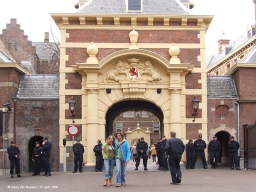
(130, 67)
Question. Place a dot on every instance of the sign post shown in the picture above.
(73, 130)
(64, 155)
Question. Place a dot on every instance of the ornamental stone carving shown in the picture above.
(133, 71)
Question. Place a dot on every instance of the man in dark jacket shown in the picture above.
(190, 150)
(36, 158)
(78, 150)
(142, 148)
(14, 157)
(175, 149)
(200, 146)
(99, 158)
(46, 152)
(158, 154)
(233, 147)
(163, 155)
(214, 148)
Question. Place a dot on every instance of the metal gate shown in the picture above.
(249, 146)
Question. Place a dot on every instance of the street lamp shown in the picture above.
(72, 105)
(195, 104)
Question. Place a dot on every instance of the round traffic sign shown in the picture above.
(73, 130)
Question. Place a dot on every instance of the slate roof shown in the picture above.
(233, 45)
(45, 51)
(221, 87)
(249, 57)
(39, 87)
(172, 7)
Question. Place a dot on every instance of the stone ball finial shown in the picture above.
(92, 49)
(174, 51)
(134, 35)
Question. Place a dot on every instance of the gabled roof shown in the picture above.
(173, 7)
(221, 87)
(5, 55)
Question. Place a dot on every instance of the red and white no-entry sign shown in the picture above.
(73, 130)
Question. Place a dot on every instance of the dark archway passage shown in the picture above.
(223, 138)
(31, 146)
(133, 105)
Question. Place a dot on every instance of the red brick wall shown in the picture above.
(192, 130)
(78, 108)
(122, 36)
(192, 81)
(46, 67)
(74, 81)
(13, 37)
(76, 55)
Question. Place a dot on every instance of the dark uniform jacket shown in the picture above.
(214, 146)
(98, 150)
(190, 149)
(162, 146)
(12, 151)
(199, 145)
(142, 146)
(174, 147)
(233, 146)
(46, 148)
(78, 149)
(158, 147)
(36, 151)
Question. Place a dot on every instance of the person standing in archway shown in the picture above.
(36, 158)
(14, 157)
(46, 152)
(134, 152)
(214, 148)
(78, 150)
(142, 148)
(199, 146)
(233, 147)
(122, 156)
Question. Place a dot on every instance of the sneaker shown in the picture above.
(136, 168)
(74, 171)
(118, 185)
(178, 179)
(123, 184)
(145, 168)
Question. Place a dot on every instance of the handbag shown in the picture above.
(117, 150)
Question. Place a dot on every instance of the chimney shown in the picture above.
(223, 40)
(46, 37)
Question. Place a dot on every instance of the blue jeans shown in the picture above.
(120, 170)
(109, 166)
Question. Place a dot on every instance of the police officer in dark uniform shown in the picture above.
(142, 148)
(233, 147)
(163, 155)
(158, 154)
(46, 151)
(36, 158)
(175, 149)
(14, 157)
(190, 150)
(214, 148)
(200, 146)
(99, 158)
(78, 150)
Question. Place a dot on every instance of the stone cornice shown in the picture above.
(16, 66)
(64, 19)
(239, 65)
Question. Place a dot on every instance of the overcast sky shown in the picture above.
(230, 16)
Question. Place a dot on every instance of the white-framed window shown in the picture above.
(119, 126)
(145, 114)
(134, 6)
(137, 114)
(156, 127)
(129, 114)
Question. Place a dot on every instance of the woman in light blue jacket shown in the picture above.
(122, 156)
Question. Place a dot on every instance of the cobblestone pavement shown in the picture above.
(207, 180)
